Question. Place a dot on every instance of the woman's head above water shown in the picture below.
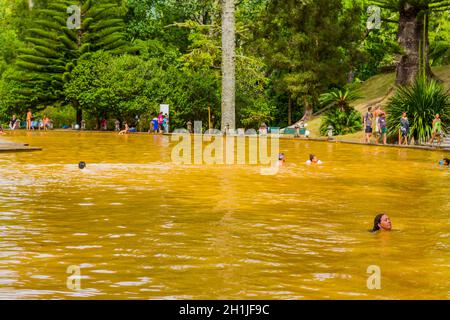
(382, 222)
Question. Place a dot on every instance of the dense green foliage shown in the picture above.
(343, 121)
(421, 101)
(129, 56)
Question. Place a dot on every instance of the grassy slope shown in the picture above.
(373, 89)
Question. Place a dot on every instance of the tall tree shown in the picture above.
(412, 35)
(60, 34)
(309, 47)
(228, 65)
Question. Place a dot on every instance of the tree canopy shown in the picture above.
(125, 57)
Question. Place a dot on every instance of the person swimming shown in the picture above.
(445, 162)
(381, 222)
(313, 160)
(281, 159)
(82, 165)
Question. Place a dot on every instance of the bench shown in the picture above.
(292, 131)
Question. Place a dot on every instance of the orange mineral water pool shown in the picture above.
(135, 225)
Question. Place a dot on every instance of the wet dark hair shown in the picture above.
(446, 161)
(311, 157)
(376, 222)
(82, 165)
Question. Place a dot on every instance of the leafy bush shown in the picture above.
(421, 101)
(343, 121)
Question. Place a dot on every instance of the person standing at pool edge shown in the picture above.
(160, 122)
(29, 117)
(404, 130)
(382, 127)
(437, 129)
(367, 120)
(381, 222)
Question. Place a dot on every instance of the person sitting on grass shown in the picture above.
(381, 223)
(445, 162)
(125, 131)
(13, 124)
(313, 160)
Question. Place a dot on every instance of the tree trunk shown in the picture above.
(410, 36)
(79, 116)
(228, 65)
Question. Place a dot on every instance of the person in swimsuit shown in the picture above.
(381, 223)
(29, 117)
(367, 120)
(404, 130)
(125, 131)
(313, 160)
(437, 130)
(45, 122)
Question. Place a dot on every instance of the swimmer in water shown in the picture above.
(281, 159)
(313, 160)
(445, 162)
(381, 222)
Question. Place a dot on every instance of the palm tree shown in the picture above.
(340, 98)
(228, 65)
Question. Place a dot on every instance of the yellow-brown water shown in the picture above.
(141, 227)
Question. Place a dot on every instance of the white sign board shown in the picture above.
(164, 108)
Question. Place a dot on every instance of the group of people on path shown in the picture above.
(375, 124)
